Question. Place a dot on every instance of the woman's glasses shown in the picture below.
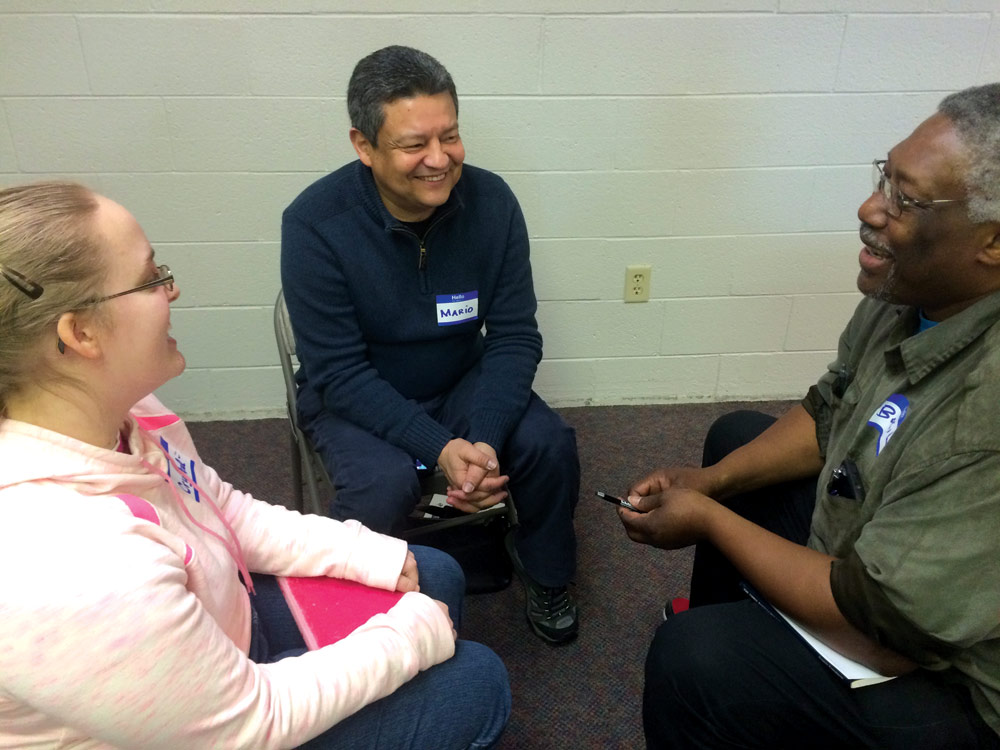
(165, 278)
(22, 283)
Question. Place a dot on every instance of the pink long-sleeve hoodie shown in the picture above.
(123, 623)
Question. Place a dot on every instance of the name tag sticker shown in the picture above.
(887, 419)
(184, 480)
(457, 308)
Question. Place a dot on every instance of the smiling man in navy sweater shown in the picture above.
(408, 284)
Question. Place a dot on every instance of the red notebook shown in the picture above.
(327, 609)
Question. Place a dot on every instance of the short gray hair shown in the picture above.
(975, 113)
(389, 74)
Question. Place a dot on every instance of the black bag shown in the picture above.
(477, 546)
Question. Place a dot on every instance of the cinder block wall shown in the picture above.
(726, 143)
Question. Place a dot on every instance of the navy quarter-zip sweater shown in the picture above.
(362, 292)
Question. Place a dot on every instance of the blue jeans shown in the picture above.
(463, 702)
(377, 483)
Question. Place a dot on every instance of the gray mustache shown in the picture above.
(869, 238)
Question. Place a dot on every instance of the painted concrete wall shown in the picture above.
(727, 143)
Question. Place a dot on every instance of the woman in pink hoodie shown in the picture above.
(124, 618)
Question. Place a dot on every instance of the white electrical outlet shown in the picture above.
(637, 283)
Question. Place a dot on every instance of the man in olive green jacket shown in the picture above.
(869, 513)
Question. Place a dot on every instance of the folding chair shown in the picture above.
(309, 475)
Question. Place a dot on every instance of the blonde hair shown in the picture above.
(47, 235)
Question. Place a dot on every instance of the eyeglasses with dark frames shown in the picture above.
(895, 199)
(21, 282)
(165, 278)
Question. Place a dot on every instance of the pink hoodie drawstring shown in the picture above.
(235, 553)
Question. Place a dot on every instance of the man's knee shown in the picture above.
(694, 681)
(679, 662)
(677, 670)
(732, 430)
(543, 440)
(379, 494)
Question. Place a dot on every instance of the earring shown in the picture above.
(61, 346)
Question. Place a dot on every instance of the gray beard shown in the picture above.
(884, 292)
